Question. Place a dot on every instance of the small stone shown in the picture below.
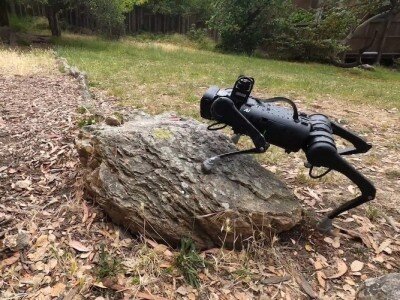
(74, 72)
(367, 67)
(17, 241)
(385, 287)
(113, 121)
(182, 290)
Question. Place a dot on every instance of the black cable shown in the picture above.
(283, 99)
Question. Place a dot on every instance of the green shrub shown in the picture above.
(281, 29)
(396, 63)
(201, 38)
(306, 36)
(110, 15)
(240, 24)
(197, 34)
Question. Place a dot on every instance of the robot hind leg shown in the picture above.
(325, 155)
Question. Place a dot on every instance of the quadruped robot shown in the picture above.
(267, 123)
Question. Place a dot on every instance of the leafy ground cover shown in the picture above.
(53, 243)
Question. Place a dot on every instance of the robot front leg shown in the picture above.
(324, 155)
(224, 111)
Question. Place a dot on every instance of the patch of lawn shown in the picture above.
(26, 62)
(166, 74)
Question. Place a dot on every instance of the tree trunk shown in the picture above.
(146, 175)
(12, 8)
(4, 20)
(54, 24)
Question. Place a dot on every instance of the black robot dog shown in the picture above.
(266, 123)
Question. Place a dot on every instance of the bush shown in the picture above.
(240, 23)
(281, 29)
(302, 37)
(200, 37)
(110, 15)
(396, 63)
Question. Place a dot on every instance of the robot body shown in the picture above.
(266, 123)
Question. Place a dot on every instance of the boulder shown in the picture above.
(146, 174)
(386, 287)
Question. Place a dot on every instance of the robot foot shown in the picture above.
(325, 225)
(209, 164)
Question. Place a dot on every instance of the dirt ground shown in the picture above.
(56, 245)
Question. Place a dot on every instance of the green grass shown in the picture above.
(170, 74)
(189, 262)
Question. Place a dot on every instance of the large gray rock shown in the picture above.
(381, 288)
(146, 175)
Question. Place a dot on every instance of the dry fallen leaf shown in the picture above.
(383, 246)
(341, 267)
(379, 258)
(79, 246)
(9, 261)
(356, 266)
(24, 184)
(321, 279)
(58, 289)
(336, 243)
(39, 254)
(41, 241)
(308, 247)
(182, 290)
(318, 265)
(349, 289)
(349, 281)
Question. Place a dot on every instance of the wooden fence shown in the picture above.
(363, 37)
(141, 19)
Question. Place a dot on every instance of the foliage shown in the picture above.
(242, 24)
(397, 63)
(281, 28)
(189, 262)
(369, 7)
(109, 15)
(180, 7)
(310, 35)
(200, 37)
